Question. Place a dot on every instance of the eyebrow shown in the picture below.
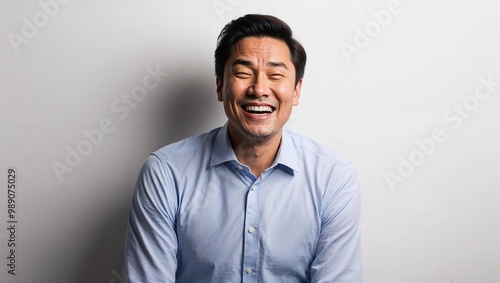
(277, 64)
(249, 64)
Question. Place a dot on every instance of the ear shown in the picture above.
(296, 93)
(218, 82)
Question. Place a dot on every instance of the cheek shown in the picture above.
(237, 87)
(230, 98)
(234, 91)
(287, 97)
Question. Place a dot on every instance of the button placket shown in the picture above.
(251, 239)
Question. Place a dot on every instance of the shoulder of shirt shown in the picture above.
(187, 146)
(315, 149)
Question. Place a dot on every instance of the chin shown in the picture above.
(260, 134)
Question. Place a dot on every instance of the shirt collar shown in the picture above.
(287, 154)
(222, 149)
(286, 158)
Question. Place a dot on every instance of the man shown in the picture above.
(250, 201)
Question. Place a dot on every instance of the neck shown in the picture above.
(257, 155)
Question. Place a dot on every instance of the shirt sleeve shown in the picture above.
(151, 242)
(338, 255)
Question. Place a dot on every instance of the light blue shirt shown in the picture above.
(198, 215)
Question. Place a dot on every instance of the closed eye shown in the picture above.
(276, 76)
(242, 75)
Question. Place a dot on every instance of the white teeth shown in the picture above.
(259, 108)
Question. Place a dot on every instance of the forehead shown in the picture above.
(261, 48)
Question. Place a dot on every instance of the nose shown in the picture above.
(259, 86)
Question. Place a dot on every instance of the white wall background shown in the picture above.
(64, 75)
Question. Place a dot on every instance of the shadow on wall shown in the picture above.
(187, 106)
(192, 109)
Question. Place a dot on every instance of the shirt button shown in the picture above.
(253, 187)
(248, 270)
(251, 230)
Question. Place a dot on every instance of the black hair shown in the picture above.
(259, 26)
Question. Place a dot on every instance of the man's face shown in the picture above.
(258, 90)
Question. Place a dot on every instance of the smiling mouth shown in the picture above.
(258, 109)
